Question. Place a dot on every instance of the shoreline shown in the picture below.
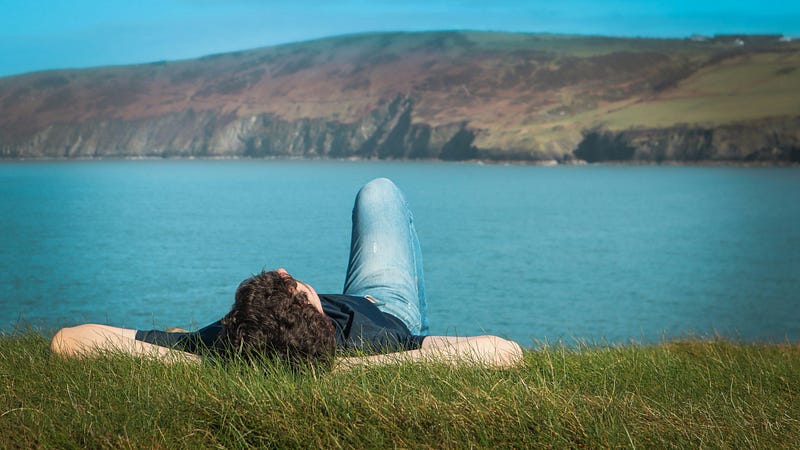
(487, 162)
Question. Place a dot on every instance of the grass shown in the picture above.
(690, 394)
(746, 88)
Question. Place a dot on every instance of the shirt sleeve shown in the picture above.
(384, 341)
(414, 342)
(204, 339)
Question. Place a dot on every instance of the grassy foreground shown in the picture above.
(690, 394)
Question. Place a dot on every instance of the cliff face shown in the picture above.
(386, 133)
(765, 141)
(449, 95)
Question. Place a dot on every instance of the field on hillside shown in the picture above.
(744, 88)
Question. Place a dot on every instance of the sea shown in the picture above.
(595, 254)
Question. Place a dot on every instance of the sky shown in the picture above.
(40, 35)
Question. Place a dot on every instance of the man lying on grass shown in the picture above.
(380, 315)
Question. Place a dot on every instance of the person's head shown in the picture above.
(275, 316)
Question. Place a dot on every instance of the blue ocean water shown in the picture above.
(598, 253)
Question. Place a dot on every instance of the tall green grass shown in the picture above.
(689, 394)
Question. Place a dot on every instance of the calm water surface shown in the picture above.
(604, 254)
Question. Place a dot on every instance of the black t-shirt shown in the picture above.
(360, 326)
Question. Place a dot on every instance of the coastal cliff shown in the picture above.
(448, 95)
(386, 133)
(769, 141)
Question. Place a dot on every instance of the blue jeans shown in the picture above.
(385, 259)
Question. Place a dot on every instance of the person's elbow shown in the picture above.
(510, 353)
(501, 352)
(69, 341)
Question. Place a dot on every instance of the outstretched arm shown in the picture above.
(93, 340)
(488, 350)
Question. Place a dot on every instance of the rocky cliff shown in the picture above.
(449, 95)
(770, 141)
(385, 133)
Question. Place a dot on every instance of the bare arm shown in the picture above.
(488, 350)
(92, 340)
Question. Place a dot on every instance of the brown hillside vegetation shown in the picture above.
(449, 95)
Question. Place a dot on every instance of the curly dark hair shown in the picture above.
(271, 319)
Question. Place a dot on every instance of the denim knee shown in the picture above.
(377, 190)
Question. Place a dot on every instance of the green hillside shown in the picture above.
(441, 95)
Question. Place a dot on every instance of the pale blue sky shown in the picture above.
(39, 35)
